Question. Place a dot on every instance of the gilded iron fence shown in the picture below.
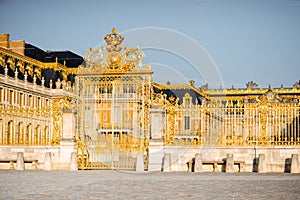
(240, 125)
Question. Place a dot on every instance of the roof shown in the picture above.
(180, 93)
(72, 60)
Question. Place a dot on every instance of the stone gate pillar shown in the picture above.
(68, 141)
(157, 123)
(156, 144)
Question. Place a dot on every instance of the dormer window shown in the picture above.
(187, 100)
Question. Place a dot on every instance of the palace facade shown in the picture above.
(106, 109)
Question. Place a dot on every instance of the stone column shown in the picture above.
(139, 167)
(198, 163)
(20, 161)
(48, 161)
(73, 163)
(262, 163)
(229, 163)
(167, 162)
(294, 163)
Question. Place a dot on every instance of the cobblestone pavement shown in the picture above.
(118, 184)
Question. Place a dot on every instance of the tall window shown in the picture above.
(118, 115)
(15, 97)
(187, 123)
(39, 102)
(1, 94)
(30, 100)
(11, 97)
(88, 115)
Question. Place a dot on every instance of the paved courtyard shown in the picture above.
(148, 185)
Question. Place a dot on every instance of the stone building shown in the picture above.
(36, 87)
(107, 109)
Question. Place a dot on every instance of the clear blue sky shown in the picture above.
(248, 40)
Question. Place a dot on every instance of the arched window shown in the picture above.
(28, 135)
(20, 133)
(10, 133)
(37, 138)
(46, 137)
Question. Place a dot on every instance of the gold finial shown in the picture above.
(114, 30)
(56, 59)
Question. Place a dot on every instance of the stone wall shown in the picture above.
(277, 157)
(61, 156)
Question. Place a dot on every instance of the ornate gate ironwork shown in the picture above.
(113, 98)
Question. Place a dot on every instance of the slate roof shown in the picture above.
(72, 60)
(179, 93)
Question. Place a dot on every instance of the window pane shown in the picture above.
(186, 122)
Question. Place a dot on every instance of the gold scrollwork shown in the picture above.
(2, 60)
(20, 65)
(29, 69)
(11, 61)
(38, 73)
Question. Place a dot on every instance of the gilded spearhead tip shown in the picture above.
(114, 31)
